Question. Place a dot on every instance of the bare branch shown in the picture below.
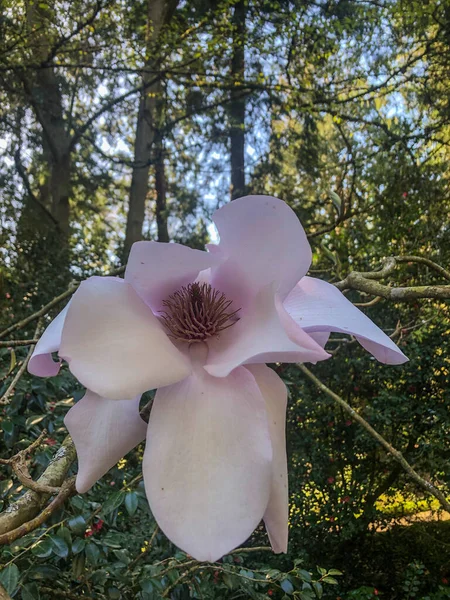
(67, 490)
(29, 505)
(368, 283)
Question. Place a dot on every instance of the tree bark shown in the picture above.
(161, 189)
(237, 106)
(159, 13)
(45, 96)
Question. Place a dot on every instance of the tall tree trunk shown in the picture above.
(159, 13)
(237, 106)
(161, 189)
(44, 94)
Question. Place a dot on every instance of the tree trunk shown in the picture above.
(158, 14)
(237, 106)
(44, 94)
(160, 188)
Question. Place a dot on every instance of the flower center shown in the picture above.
(196, 312)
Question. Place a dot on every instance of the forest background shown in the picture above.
(124, 120)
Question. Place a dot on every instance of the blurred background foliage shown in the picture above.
(128, 120)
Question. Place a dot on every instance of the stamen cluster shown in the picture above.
(196, 312)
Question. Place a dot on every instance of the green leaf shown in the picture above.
(318, 588)
(34, 420)
(60, 548)
(78, 545)
(30, 591)
(43, 549)
(337, 202)
(146, 586)
(131, 503)
(78, 563)
(77, 524)
(287, 586)
(122, 556)
(330, 580)
(113, 502)
(44, 572)
(322, 571)
(8, 427)
(65, 535)
(305, 575)
(13, 362)
(92, 553)
(334, 572)
(9, 578)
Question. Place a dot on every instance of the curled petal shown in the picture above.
(263, 242)
(207, 462)
(41, 362)
(103, 432)
(276, 516)
(265, 333)
(318, 306)
(114, 344)
(156, 269)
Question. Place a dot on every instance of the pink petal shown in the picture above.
(41, 362)
(264, 242)
(114, 344)
(103, 432)
(265, 333)
(156, 269)
(318, 306)
(207, 462)
(277, 512)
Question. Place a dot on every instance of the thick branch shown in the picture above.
(67, 490)
(368, 282)
(29, 505)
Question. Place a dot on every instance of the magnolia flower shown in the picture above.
(199, 326)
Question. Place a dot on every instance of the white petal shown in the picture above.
(277, 513)
(103, 432)
(41, 362)
(265, 333)
(207, 463)
(263, 242)
(318, 306)
(114, 344)
(157, 269)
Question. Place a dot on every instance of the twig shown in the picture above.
(14, 343)
(425, 261)
(35, 543)
(18, 462)
(5, 398)
(147, 549)
(67, 489)
(423, 483)
(370, 303)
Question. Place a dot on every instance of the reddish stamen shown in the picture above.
(196, 312)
